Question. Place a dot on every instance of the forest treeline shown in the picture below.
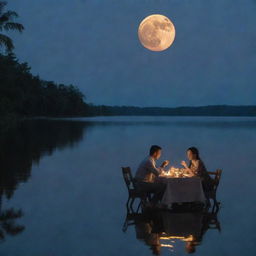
(218, 110)
(25, 95)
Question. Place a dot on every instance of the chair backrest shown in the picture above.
(217, 177)
(127, 175)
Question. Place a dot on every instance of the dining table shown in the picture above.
(182, 190)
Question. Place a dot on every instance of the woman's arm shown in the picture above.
(191, 171)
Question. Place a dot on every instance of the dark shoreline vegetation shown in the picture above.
(213, 110)
(23, 95)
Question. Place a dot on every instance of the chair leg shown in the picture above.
(131, 204)
(127, 204)
(217, 206)
(125, 226)
(215, 201)
(208, 203)
(138, 207)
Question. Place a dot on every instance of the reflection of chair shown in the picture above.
(160, 228)
(213, 222)
(133, 193)
(130, 220)
(212, 193)
(146, 228)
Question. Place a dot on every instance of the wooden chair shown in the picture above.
(129, 220)
(216, 180)
(133, 193)
(213, 221)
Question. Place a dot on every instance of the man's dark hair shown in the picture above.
(154, 149)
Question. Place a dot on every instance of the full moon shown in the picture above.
(156, 32)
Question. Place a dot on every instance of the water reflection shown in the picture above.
(20, 149)
(160, 229)
(83, 205)
(8, 226)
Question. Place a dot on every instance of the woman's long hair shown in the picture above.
(195, 152)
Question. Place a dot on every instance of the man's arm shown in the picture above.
(153, 169)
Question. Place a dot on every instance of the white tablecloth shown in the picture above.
(182, 190)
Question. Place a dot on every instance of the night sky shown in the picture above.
(93, 44)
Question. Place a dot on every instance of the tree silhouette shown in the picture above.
(6, 24)
(7, 223)
(24, 95)
(21, 148)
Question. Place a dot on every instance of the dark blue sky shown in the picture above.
(93, 44)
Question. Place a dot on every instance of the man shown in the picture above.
(147, 172)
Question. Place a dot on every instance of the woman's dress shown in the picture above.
(199, 170)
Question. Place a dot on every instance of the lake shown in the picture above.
(62, 191)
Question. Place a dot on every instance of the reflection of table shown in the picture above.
(182, 190)
(182, 224)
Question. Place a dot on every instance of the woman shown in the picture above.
(197, 168)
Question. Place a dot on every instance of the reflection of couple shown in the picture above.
(147, 172)
(160, 228)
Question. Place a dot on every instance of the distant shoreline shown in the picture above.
(126, 111)
(212, 110)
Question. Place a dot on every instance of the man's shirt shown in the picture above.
(147, 170)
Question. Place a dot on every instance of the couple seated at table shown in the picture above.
(147, 172)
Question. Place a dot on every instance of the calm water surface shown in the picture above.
(62, 191)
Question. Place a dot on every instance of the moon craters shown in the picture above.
(156, 32)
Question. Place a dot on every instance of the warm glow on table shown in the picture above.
(174, 173)
(183, 238)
